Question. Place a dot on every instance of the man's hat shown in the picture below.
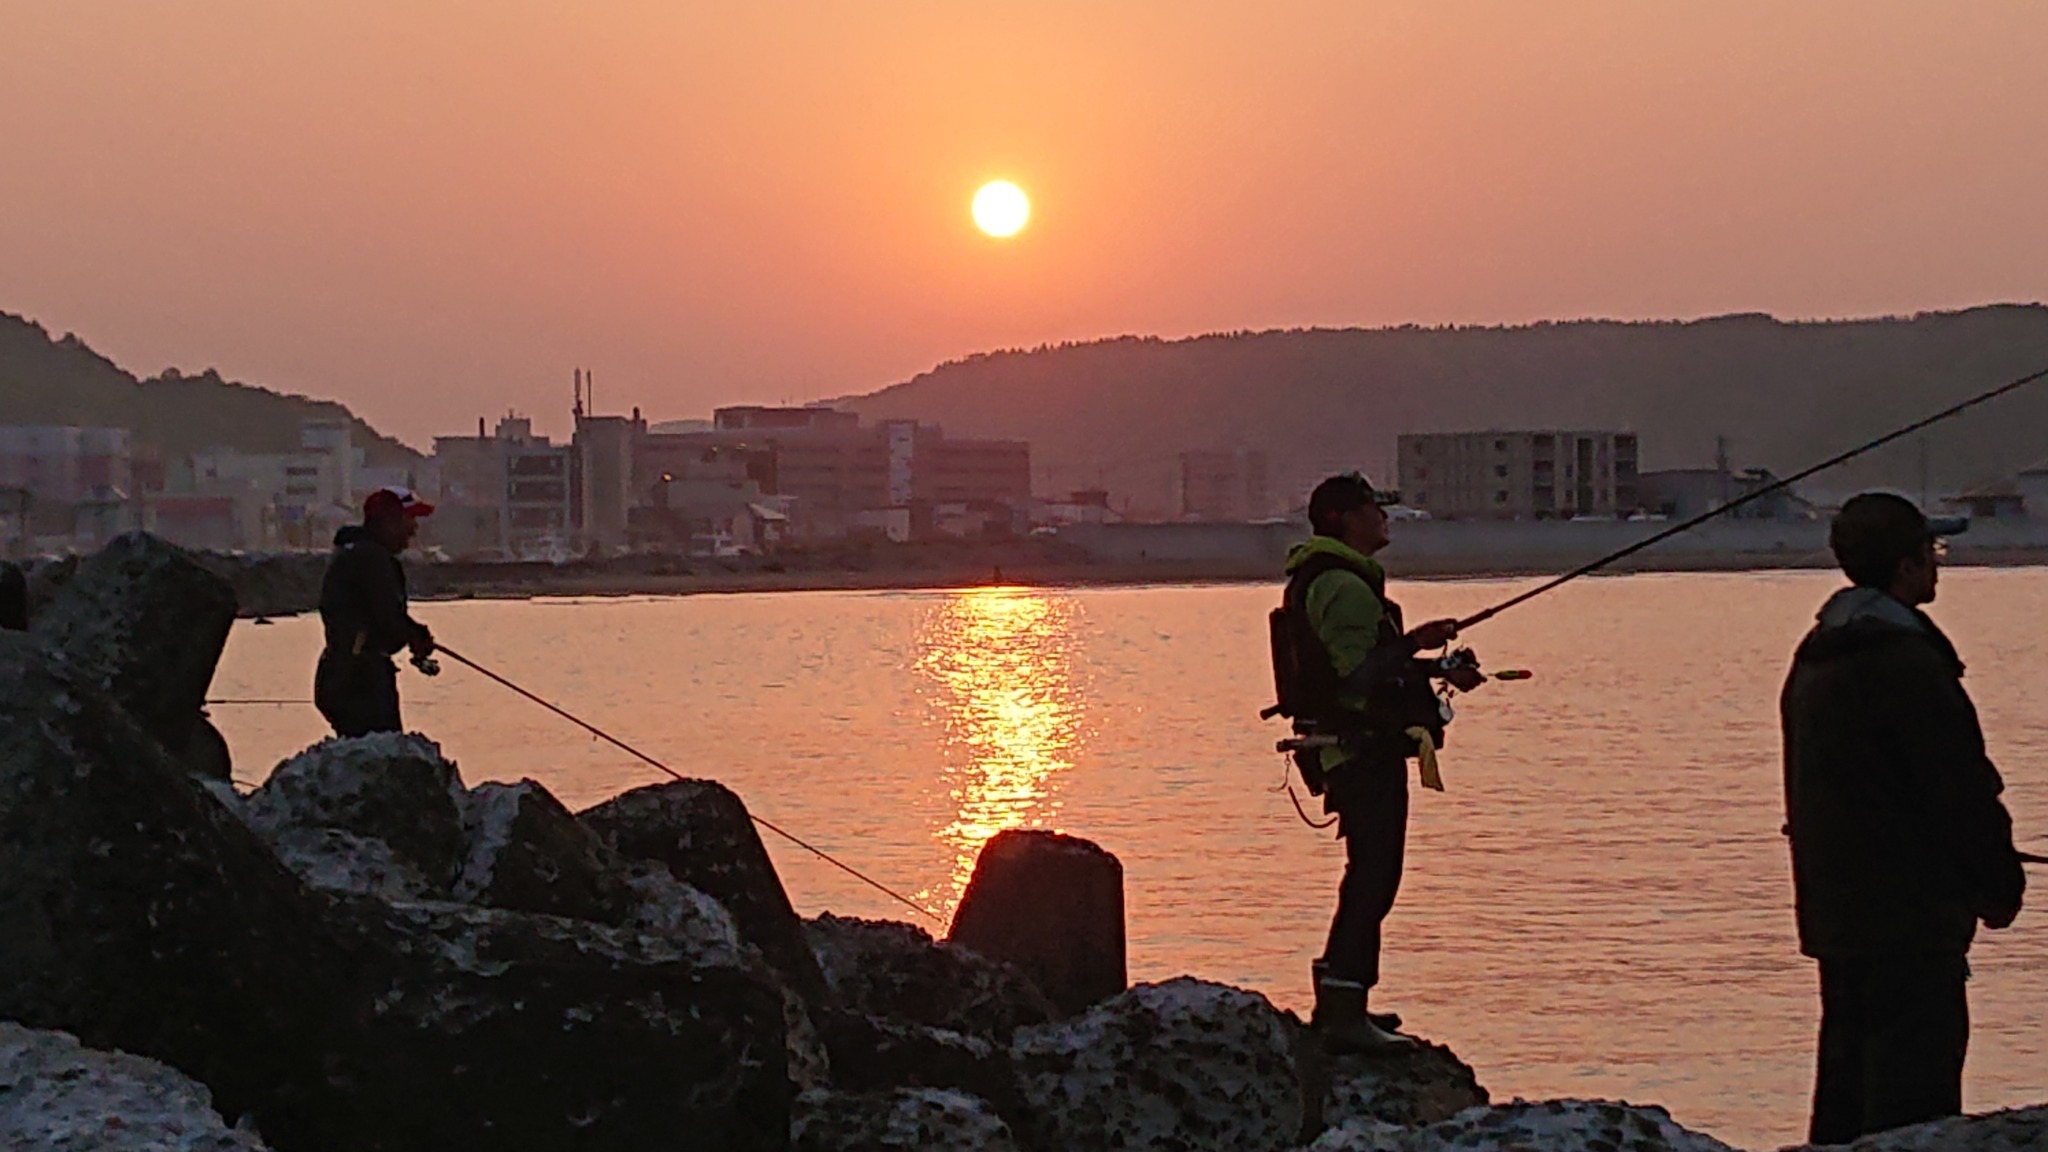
(395, 502)
(1340, 494)
(1876, 530)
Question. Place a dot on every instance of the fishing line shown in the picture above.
(601, 734)
(1768, 489)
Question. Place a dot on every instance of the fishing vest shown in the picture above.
(1307, 687)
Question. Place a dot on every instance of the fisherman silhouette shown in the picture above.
(1900, 844)
(364, 614)
(1360, 681)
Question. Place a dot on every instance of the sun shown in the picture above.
(1001, 208)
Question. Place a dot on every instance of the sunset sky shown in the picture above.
(434, 211)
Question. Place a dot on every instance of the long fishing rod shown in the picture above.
(1748, 498)
(601, 734)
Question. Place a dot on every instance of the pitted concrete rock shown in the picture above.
(525, 851)
(1187, 1065)
(144, 622)
(700, 831)
(872, 1054)
(1540, 1126)
(2013, 1130)
(392, 788)
(1411, 1089)
(923, 1118)
(344, 862)
(57, 1094)
(898, 972)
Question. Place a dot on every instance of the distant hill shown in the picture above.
(1785, 394)
(62, 381)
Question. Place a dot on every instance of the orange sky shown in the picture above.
(435, 210)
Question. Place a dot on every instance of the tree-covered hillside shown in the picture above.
(1784, 394)
(62, 381)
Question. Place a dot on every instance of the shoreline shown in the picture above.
(530, 585)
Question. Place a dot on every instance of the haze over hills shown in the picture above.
(61, 380)
(1785, 394)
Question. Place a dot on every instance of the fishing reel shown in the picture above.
(427, 665)
(1466, 660)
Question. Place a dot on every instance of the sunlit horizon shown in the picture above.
(436, 214)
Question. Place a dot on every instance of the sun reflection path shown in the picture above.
(1000, 660)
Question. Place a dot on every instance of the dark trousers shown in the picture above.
(1370, 798)
(1893, 1032)
(357, 694)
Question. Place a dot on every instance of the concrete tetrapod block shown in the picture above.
(144, 622)
(1053, 905)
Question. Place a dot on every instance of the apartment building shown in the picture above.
(1519, 475)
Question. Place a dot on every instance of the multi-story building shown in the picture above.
(1224, 485)
(509, 491)
(64, 464)
(837, 474)
(1519, 475)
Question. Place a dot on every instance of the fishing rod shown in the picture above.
(601, 734)
(1749, 498)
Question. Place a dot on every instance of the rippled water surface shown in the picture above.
(1598, 906)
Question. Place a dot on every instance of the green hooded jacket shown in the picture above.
(1343, 610)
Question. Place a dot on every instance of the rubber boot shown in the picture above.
(1346, 1029)
(1319, 970)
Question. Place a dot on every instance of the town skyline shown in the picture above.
(433, 214)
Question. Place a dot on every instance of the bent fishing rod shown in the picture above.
(1750, 498)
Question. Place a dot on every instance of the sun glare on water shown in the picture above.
(1001, 208)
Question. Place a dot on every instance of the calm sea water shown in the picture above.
(1599, 905)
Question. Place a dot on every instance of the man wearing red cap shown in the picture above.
(363, 611)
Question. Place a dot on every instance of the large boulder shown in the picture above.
(898, 972)
(390, 797)
(1185, 1064)
(2013, 1130)
(490, 1029)
(912, 1118)
(1053, 905)
(141, 914)
(1413, 1089)
(701, 832)
(57, 1094)
(1542, 1126)
(525, 851)
(144, 622)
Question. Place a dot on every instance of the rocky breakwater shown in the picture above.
(366, 954)
(326, 959)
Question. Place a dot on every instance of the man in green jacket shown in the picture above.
(1360, 681)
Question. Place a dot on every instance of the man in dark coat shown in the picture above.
(1900, 844)
(363, 611)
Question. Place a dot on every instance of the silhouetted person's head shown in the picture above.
(1883, 541)
(392, 517)
(1350, 509)
(13, 597)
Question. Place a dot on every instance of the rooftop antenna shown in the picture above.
(577, 411)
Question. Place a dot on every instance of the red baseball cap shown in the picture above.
(395, 501)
